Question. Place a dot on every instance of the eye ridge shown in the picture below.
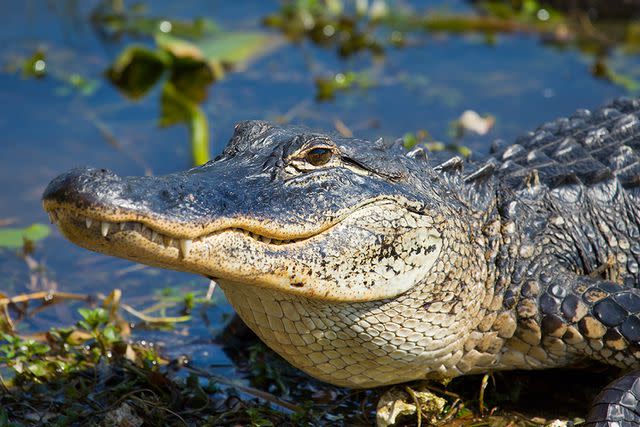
(318, 156)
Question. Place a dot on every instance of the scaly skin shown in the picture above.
(363, 265)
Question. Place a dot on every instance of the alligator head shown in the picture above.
(322, 244)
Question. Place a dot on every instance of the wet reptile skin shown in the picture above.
(526, 260)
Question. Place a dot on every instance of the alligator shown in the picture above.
(366, 264)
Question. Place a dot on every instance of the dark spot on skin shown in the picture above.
(629, 301)
(548, 304)
(509, 300)
(551, 323)
(530, 289)
(613, 338)
(630, 328)
(569, 307)
(568, 335)
(297, 284)
(610, 287)
(609, 312)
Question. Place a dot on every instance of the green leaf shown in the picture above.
(15, 237)
(218, 51)
(93, 318)
(137, 69)
(38, 369)
(110, 334)
(177, 108)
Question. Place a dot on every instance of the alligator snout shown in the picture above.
(84, 187)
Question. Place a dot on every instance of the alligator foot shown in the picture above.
(618, 405)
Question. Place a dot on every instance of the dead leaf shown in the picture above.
(473, 122)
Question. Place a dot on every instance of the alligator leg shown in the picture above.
(618, 311)
(618, 404)
(584, 317)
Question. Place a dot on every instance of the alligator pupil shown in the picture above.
(318, 156)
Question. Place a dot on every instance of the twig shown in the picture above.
(212, 287)
(417, 403)
(7, 221)
(162, 408)
(7, 317)
(453, 411)
(441, 391)
(150, 319)
(483, 387)
(3, 385)
(246, 389)
(48, 296)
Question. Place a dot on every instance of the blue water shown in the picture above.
(426, 85)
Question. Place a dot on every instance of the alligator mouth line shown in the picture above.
(105, 228)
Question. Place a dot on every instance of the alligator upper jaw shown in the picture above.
(173, 209)
(99, 226)
(110, 218)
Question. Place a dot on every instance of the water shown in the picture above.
(46, 128)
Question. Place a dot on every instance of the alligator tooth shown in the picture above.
(53, 217)
(104, 228)
(266, 240)
(122, 225)
(168, 241)
(185, 247)
(88, 222)
(154, 235)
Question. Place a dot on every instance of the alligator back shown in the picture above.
(587, 148)
(579, 178)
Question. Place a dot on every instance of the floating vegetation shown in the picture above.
(15, 238)
(39, 66)
(331, 23)
(113, 20)
(326, 88)
(35, 66)
(185, 68)
(422, 138)
(352, 27)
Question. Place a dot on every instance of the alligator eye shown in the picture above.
(318, 156)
